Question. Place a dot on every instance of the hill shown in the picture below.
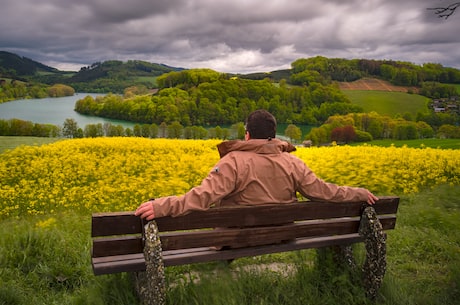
(115, 76)
(13, 65)
(109, 76)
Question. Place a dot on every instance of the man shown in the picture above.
(256, 171)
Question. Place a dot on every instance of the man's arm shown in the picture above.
(219, 183)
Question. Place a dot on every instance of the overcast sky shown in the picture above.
(238, 36)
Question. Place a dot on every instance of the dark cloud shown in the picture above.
(228, 36)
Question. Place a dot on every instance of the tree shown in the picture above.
(293, 132)
(93, 130)
(345, 134)
(445, 11)
(70, 128)
(447, 131)
(175, 130)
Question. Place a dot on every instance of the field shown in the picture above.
(374, 84)
(418, 143)
(48, 193)
(384, 98)
(458, 87)
(388, 103)
(8, 143)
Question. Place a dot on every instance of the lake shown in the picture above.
(53, 111)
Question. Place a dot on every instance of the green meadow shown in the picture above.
(45, 259)
(418, 143)
(8, 143)
(388, 103)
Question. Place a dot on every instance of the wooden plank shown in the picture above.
(117, 245)
(236, 237)
(116, 264)
(246, 237)
(271, 214)
(105, 224)
(132, 263)
(117, 223)
(207, 255)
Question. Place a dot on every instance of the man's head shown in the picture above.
(261, 124)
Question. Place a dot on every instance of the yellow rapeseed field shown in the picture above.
(116, 174)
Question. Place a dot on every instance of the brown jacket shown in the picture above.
(256, 172)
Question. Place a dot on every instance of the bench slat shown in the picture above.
(117, 245)
(118, 223)
(119, 263)
(136, 262)
(238, 237)
(105, 224)
(271, 214)
(206, 255)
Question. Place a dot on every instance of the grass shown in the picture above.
(7, 143)
(46, 260)
(418, 143)
(457, 86)
(147, 79)
(388, 103)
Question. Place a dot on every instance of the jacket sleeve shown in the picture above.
(314, 188)
(219, 183)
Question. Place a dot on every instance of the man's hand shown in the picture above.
(146, 210)
(371, 198)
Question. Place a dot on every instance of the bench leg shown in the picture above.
(374, 267)
(342, 256)
(150, 285)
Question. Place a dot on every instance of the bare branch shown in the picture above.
(445, 12)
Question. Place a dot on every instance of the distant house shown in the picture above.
(451, 104)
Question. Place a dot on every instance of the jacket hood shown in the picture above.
(259, 146)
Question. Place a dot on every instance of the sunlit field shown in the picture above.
(116, 174)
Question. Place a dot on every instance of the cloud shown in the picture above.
(228, 36)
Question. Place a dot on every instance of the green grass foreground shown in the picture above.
(46, 260)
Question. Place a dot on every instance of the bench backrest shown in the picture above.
(312, 224)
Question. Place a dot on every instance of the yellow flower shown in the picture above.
(116, 174)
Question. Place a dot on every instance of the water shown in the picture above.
(53, 111)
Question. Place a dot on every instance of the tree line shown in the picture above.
(13, 90)
(71, 129)
(365, 127)
(326, 70)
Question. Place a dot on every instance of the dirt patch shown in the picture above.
(282, 269)
(375, 85)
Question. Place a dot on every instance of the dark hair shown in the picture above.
(261, 124)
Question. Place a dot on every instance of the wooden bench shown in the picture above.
(249, 231)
